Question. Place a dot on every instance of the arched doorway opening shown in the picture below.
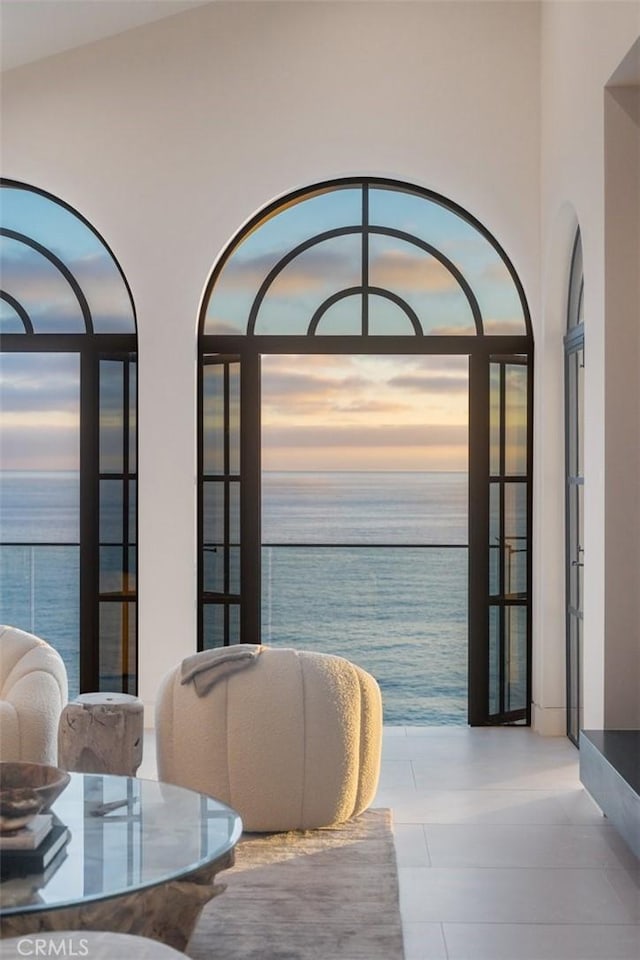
(372, 267)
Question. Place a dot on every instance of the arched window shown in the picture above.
(574, 487)
(372, 266)
(68, 504)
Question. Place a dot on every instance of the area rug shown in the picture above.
(328, 894)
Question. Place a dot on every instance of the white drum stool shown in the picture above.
(291, 739)
(101, 733)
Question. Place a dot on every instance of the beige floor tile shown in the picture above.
(539, 846)
(424, 941)
(508, 941)
(472, 895)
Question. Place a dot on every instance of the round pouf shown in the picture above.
(101, 733)
(96, 945)
(292, 741)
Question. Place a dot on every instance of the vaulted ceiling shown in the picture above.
(33, 29)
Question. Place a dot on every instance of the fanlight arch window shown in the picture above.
(377, 266)
(331, 260)
(68, 388)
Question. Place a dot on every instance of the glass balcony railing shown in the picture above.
(400, 612)
(40, 593)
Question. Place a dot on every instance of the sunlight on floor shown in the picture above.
(501, 853)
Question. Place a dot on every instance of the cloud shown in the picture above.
(428, 365)
(49, 299)
(382, 435)
(316, 267)
(35, 282)
(309, 361)
(40, 419)
(399, 270)
(364, 412)
(429, 383)
(368, 406)
(221, 326)
(467, 330)
(508, 327)
(360, 384)
(38, 383)
(240, 273)
(29, 269)
(287, 384)
(42, 449)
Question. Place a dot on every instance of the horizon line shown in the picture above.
(269, 470)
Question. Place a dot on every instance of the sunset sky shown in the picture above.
(40, 411)
(39, 393)
(364, 413)
(319, 412)
(334, 264)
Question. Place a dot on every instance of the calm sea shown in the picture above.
(372, 566)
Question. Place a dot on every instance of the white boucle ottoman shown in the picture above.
(292, 741)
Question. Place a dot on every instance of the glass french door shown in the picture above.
(117, 523)
(220, 572)
(229, 577)
(69, 514)
(574, 522)
(509, 539)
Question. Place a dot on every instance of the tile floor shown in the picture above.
(501, 853)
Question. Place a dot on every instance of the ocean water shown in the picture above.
(381, 578)
(39, 585)
(391, 598)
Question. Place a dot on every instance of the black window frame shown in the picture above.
(481, 348)
(92, 348)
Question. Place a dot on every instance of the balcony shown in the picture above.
(400, 612)
(40, 593)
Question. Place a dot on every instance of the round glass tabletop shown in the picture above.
(123, 834)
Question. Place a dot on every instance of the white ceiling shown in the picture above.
(628, 73)
(33, 29)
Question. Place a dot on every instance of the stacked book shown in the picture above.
(32, 848)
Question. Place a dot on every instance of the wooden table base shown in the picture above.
(167, 912)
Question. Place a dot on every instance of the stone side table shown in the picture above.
(101, 733)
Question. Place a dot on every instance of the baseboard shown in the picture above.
(549, 721)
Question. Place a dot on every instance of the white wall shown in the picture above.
(582, 45)
(170, 136)
(622, 408)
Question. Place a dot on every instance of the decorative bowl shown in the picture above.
(26, 789)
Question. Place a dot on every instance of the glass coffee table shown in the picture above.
(141, 859)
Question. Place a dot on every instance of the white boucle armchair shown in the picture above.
(33, 691)
(290, 739)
